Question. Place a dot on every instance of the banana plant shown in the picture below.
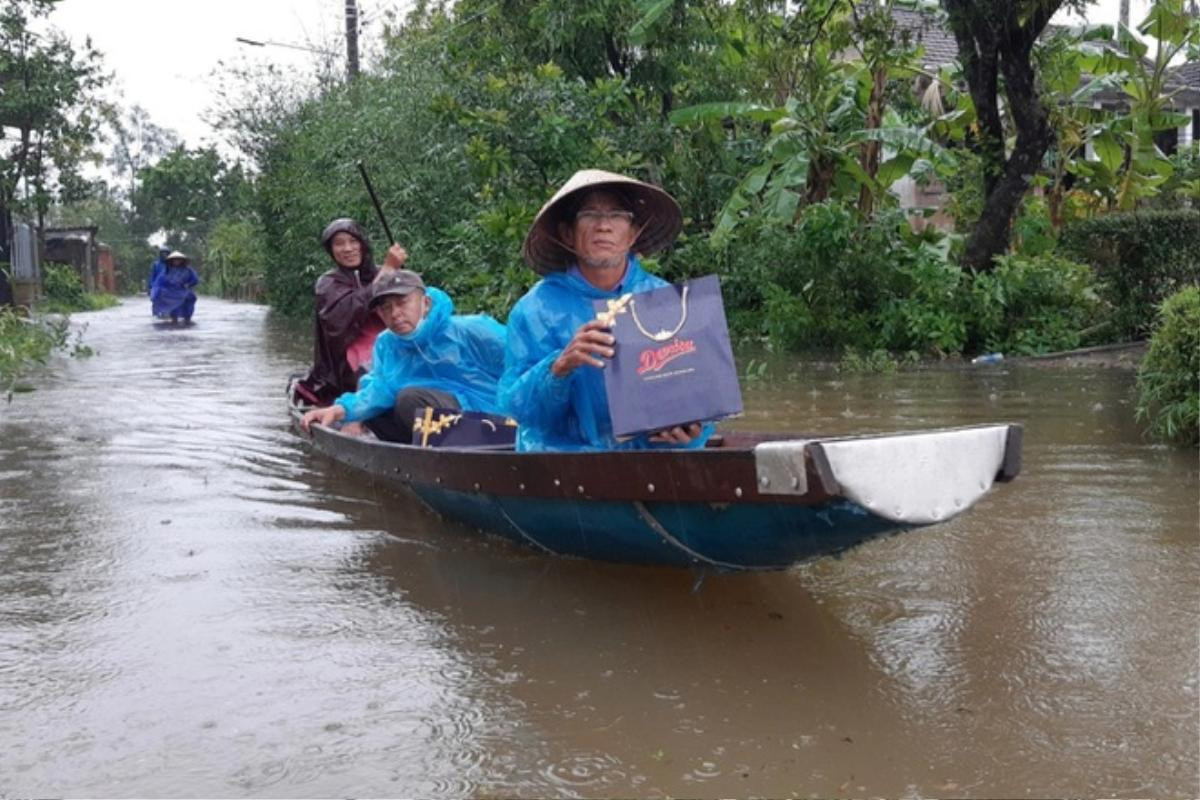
(1130, 165)
(828, 133)
(812, 151)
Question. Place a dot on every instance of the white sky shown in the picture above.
(163, 52)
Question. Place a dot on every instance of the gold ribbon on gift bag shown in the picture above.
(626, 302)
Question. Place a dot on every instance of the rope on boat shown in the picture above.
(658, 528)
(496, 502)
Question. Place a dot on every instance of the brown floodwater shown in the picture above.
(192, 603)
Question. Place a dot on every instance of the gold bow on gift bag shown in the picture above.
(626, 302)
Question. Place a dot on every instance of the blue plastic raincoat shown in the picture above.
(156, 269)
(172, 295)
(460, 354)
(568, 413)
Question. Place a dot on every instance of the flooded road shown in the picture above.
(192, 603)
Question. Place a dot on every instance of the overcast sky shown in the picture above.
(163, 52)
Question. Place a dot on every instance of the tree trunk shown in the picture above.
(994, 37)
(869, 157)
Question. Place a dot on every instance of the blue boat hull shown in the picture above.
(735, 537)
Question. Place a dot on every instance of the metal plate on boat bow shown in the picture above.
(915, 478)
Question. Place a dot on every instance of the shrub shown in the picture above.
(24, 343)
(61, 287)
(821, 283)
(63, 291)
(926, 313)
(1032, 305)
(1168, 380)
(1141, 258)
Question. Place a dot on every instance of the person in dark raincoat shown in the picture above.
(343, 322)
(428, 356)
(171, 295)
(157, 268)
(584, 242)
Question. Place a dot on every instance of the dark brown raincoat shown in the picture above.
(341, 313)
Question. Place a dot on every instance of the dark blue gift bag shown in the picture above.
(445, 427)
(673, 362)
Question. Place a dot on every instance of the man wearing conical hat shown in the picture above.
(171, 296)
(584, 242)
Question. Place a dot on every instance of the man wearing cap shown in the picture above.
(428, 356)
(584, 243)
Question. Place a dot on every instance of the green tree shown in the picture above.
(186, 191)
(995, 46)
(48, 102)
(136, 142)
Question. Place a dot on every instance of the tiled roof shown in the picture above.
(1186, 74)
(928, 29)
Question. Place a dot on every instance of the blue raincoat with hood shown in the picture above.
(571, 412)
(459, 354)
(157, 268)
(172, 293)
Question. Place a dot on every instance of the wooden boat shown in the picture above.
(746, 502)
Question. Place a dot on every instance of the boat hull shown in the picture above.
(753, 503)
(761, 536)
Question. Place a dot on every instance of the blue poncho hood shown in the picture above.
(460, 354)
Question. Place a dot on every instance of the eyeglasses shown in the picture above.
(592, 216)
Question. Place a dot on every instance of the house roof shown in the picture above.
(926, 28)
(926, 25)
(1186, 74)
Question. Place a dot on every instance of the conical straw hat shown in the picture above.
(653, 208)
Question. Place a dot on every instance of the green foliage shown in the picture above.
(1031, 305)
(1139, 258)
(62, 287)
(25, 343)
(186, 192)
(63, 291)
(769, 122)
(1130, 167)
(1168, 379)
(234, 262)
(830, 134)
(925, 313)
(48, 108)
(878, 361)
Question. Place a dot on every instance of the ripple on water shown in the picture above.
(585, 771)
(704, 771)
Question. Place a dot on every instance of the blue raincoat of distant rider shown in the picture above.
(157, 268)
(583, 242)
(171, 296)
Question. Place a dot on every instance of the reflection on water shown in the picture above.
(192, 603)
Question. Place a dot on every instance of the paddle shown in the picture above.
(375, 201)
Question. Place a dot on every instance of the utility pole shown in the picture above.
(1124, 16)
(352, 39)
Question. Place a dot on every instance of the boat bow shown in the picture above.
(911, 478)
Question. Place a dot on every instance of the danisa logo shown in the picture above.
(652, 360)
